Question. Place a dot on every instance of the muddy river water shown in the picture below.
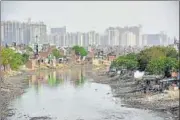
(71, 95)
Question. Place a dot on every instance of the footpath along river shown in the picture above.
(72, 95)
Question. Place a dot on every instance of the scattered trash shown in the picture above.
(138, 74)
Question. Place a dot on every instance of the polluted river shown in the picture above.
(71, 95)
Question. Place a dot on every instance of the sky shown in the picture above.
(83, 16)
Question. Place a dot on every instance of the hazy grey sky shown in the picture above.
(84, 16)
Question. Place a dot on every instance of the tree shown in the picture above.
(128, 61)
(76, 47)
(145, 56)
(148, 54)
(29, 49)
(16, 61)
(7, 56)
(171, 52)
(131, 56)
(56, 53)
(113, 64)
(162, 65)
(82, 51)
(25, 57)
(79, 50)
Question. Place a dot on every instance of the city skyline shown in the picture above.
(97, 16)
(102, 32)
(29, 32)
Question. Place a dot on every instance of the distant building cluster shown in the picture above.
(31, 33)
(63, 38)
(23, 32)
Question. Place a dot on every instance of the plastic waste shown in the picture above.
(118, 72)
(138, 74)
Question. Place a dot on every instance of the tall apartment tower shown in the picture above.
(23, 32)
(58, 30)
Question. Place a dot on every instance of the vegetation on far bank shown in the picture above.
(155, 60)
(79, 50)
(12, 58)
(56, 53)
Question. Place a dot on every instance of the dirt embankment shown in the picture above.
(125, 87)
(10, 88)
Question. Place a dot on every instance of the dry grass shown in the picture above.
(10, 73)
(173, 94)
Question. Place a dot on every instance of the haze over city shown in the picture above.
(89, 60)
(83, 16)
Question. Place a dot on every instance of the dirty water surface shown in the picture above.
(71, 95)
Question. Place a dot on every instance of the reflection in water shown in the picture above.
(56, 78)
(80, 79)
(52, 80)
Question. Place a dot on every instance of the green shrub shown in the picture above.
(56, 53)
(16, 61)
(128, 61)
(161, 64)
(145, 56)
(80, 50)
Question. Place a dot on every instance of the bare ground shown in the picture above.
(11, 88)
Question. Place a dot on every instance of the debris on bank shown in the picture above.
(141, 90)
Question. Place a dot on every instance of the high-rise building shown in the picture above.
(102, 40)
(130, 39)
(2, 34)
(60, 30)
(92, 37)
(9, 32)
(23, 33)
(73, 39)
(137, 30)
(60, 37)
(60, 40)
(50, 39)
(144, 40)
(79, 40)
(97, 39)
(38, 33)
(164, 39)
(110, 32)
(155, 39)
(151, 39)
(68, 39)
(53, 39)
(124, 39)
(115, 36)
(85, 39)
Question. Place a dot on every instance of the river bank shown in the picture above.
(124, 87)
(11, 87)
